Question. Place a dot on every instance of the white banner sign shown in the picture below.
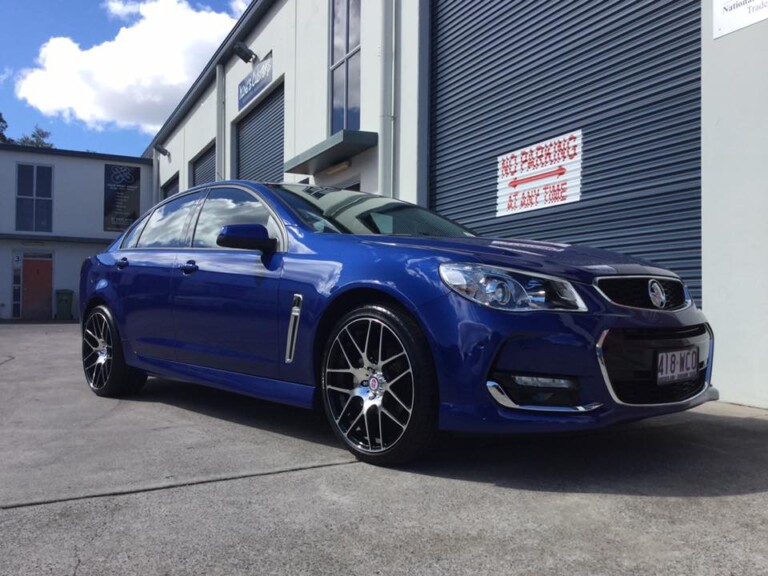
(732, 15)
(539, 176)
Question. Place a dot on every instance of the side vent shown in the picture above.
(293, 327)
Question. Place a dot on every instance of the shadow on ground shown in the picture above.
(682, 455)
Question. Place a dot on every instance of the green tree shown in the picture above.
(38, 138)
(3, 127)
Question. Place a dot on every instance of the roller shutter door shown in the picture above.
(171, 187)
(204, 168)
(505, 75)
(260, 141)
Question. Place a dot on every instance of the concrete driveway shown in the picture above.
(186, 480)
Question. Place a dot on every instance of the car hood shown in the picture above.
(577, 263)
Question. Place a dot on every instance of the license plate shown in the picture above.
(677, 366)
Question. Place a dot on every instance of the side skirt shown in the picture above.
(300, 395)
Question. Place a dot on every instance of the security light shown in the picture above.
(161, 150)
(244, 53)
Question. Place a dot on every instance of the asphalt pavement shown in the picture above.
(188, 480)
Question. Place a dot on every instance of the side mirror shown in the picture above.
(247, 237)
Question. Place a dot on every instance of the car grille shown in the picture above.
(630, 357)
(634, 292)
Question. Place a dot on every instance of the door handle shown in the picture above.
(122, 263)
(189, 267)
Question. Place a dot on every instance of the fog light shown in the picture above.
(538, 382)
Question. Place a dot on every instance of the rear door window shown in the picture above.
(168, 224)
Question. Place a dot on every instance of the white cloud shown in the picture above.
(122, 9)
(237, 7)
(5, 74)
(134, 80)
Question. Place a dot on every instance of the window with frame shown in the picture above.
(345, 65)
(227, 206)
(167, 226)
(34, 198)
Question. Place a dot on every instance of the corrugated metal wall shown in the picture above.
(508, 74)
(260, 141)
(204, 168)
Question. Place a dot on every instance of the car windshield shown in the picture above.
(335, 211)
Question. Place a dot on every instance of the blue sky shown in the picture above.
(102, 75)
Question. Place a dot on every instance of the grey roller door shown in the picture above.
(505, 75)
(260, 141)
(204, 168)
(171, 187)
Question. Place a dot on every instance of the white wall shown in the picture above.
(78, 192)
(78, 212)
(735, 205)
(191, 137)
(296, 32)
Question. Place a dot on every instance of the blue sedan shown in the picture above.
(395, 320)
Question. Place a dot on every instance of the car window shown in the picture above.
(168, 222)
(337, 211)
(132, 237)
(226, 206)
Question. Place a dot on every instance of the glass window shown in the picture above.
(330, 210)
(34, 193)
(167, 226)
(44, 182)
(43, 215)
(24, 213)
(132, 238)
(345, 65)
(26, 180)
(225, 206)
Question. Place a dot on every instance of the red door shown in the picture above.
(37, 287)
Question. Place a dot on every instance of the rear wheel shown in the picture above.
(378, 385)
(104, 365)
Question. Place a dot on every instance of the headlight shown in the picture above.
(509, 289)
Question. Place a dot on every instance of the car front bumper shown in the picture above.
(609, 353)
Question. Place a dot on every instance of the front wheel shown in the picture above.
(105, 369)
(379, 387)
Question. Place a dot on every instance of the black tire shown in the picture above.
(104, 365)
(378, 385)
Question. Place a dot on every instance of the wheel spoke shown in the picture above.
(367, 430)
(367, 337)
(389, 391)
(344, 352)
(395, 420)
(390, 382)
(353, 424)
(391, 358)
(343, 410)
(340, 390)
(362, 354)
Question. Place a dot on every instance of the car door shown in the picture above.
(225, 299)
(142, 278)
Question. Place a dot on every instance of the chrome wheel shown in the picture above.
(369, 385)
(97, 350)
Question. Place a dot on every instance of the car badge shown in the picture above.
(657, 294)
(374, 384)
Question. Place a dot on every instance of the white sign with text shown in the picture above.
(732, 15)
(540, 175)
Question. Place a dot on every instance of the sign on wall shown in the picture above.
(539, 176)
(732, 15)
(122, 192)
(259, 78)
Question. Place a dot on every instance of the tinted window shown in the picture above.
(350, 212)
(225, 206)
(168, 222)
